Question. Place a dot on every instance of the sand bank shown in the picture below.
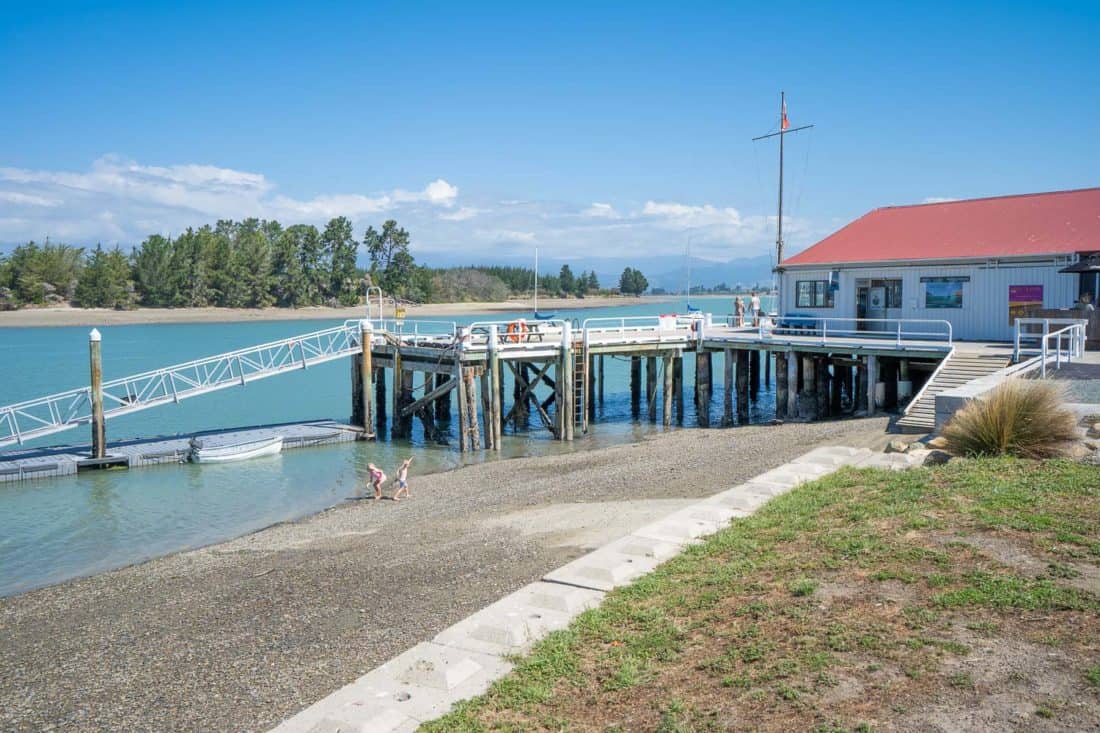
(67, 316)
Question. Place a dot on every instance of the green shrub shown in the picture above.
(1020, 417)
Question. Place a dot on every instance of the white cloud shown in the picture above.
(462, 214)
(601, 211)
(120, 200)
(142, 199)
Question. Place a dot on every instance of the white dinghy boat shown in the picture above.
(236, 451)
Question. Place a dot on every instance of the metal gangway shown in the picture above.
(58, 412)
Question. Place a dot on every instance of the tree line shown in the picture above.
(257, 263)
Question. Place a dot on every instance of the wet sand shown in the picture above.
(67, 316)
(243, 634)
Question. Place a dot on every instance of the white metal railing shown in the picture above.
(515, 333)
(658, 327)
(1041, 337)
(52, 414)
(828, 327)
(415, 332)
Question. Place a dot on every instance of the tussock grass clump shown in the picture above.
(1020, 418)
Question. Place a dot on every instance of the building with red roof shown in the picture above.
(977, 263)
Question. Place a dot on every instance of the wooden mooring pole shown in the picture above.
(99, 428)
(651, 388)
(702, 387)
(601, 378)
(727, 387)
(678, 388)
(666, 411)
(635, 386)
(366, 376)
(781, 385)
(754, 374)
(794, 360)
(742, 386)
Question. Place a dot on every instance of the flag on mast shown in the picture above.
(784, 124)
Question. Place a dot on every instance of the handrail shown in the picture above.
(1046, 323)
(827, 327)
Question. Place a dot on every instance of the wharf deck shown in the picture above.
(33, 463)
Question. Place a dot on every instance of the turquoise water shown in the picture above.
(55, 529)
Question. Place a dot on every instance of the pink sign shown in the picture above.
(1023, 300)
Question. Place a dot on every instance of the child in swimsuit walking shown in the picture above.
(402, 480)
(376, 478)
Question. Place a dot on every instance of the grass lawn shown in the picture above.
(960, 597)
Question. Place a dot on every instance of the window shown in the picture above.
(943, 292)
(813, 294)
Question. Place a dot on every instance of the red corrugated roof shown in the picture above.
(1061, 222)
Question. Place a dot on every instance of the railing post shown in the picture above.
(1016, 343)
(899, 333)
(824, 330)
(1058, 351)
(1043, 356)
(99, 432)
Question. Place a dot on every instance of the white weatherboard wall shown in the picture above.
(984, 315)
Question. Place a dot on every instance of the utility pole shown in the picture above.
(784, 129)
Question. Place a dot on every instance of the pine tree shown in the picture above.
(339, 244)
(105, 280)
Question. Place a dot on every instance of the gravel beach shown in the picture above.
(240, 635)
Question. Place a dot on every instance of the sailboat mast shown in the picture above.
(779, 220)
(536, 279)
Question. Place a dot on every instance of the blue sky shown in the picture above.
(586, 129)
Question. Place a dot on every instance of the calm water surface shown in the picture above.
(55, 529)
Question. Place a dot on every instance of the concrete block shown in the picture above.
(744, 499)
(514, 623)
(419, 685)
(679, 529)
(891, 461)
(832, 456)
(616, 564)
(793, 474)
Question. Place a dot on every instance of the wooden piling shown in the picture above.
(767, 356)
(590, 414)
(487, 407)
(890, 382)
(635, 386)
(403, 423)
(473, 427)
(742, 380)
(837, 384)
(727, 387)
(872, 381)
(821, 386)
(794, 365)
(99, 426)
(463, 406)
(567, 406)
(860, 395)
(781, 395)
(494, 427)
(397, 386)
(651, 388)
(601, 380)
(754, 374)
(666, 412)
(366, 377)
(702, 387)
(520, 399)
(678, 388)
(807, 398)
(356, 362)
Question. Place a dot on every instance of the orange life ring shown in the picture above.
(516, 331)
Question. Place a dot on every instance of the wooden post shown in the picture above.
(781, 395)
(591, 413)
(651, 388)
(794, 364)
(702, 387)
(767, 355)
(635, 386)
(463, 405)
(860, 397)
(404, 422)
(872, 381)
(520, 399)
(890, 380)
(487, 407)
(473, 426)
(601, 379)
(356, 390)
(836, 383)
(666, 412)
(366, 374)
(397, 387)
(678, 388)
(99, 428)
(754, 374)
(495, 379)
(727, 387)
(807, 399)
(821, 386)
(742, 386)
(380, 400)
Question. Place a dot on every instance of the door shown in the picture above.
(876, 307)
